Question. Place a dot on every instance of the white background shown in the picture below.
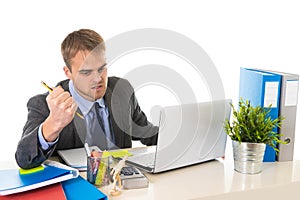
(256, 34)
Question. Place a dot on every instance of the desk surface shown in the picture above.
(216, 180)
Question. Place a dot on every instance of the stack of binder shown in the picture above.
(265, 87)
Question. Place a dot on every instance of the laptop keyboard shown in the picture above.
(146, 160)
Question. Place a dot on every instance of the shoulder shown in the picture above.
(119, 89)
(38, 98)
(117, 82)
(64, 84)
(38, 103)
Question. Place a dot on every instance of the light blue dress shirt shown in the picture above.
(85, 106)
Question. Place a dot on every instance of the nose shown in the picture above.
(98, 75)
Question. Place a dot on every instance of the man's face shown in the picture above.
(89, 74)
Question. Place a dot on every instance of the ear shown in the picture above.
(67, 71)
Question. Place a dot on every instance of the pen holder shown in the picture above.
(98, 170)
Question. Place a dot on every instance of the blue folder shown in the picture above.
(79, 188)
(74, 186)
(262, 89)
(12, 181)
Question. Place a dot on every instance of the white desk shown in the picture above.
(216, 180)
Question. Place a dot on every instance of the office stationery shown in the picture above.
(288, 110)
(77, 158)
(50, 90)
(133, 178)
(98, 168)
(119, 153)
(53, 172)
(261, 89)
(87, 149)
(32, 170)
(78, 189)
(49, 192)
(188, 134)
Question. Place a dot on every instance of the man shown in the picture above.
(87, 107)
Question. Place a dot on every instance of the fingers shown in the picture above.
(73, 107)
(61, 105)
(62, 110)
(69, 104)
(59, 96)
(56, 92)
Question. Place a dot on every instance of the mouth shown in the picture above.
(97, 87)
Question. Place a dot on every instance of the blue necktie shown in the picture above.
(103, 118)
(95, 136)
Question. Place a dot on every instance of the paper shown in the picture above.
(271, 94)
(120, 153)
(291, 95)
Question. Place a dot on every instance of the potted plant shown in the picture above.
(250, 130)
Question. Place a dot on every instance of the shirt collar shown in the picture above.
(83, 104)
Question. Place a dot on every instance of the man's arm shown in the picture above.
(142, 130)
(139, 126)
(29, 152)
(54, 111)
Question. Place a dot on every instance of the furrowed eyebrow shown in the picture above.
(85, 70)
(102, 66)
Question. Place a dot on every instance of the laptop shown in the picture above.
(76, 158)
(188, 134)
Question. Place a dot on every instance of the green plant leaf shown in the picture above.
(253, 124)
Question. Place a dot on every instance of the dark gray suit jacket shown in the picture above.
(128, 123)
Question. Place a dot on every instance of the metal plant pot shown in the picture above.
(248, 157)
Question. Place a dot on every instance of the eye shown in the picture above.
(102, 68)
(85, 72)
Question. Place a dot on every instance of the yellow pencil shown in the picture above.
(46, 86)
(50, 90)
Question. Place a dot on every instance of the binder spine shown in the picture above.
(288, 110)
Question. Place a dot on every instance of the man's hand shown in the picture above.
(62, 110)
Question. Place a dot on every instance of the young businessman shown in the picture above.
(87, 107)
